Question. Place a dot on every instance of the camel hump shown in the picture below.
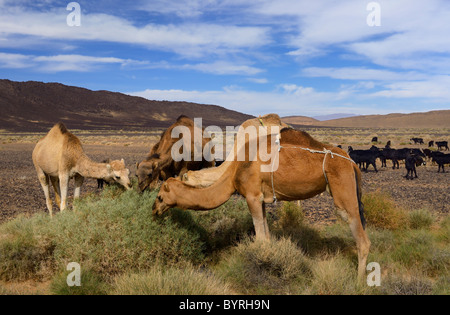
(293, 136)
(271, 118)
(62, 128)
(182, 117)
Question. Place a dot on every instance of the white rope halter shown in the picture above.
(325, 151)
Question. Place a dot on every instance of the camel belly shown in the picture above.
(290, 188)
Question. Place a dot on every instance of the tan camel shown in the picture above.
(206, 177)
(59, 156)
(159, 163)
(301, 174)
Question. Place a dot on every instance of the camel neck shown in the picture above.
(207, 198)
(90, 169)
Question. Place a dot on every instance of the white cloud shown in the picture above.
(187, 39)
(13, 61)
(59, 63)
(224, 68)
(287, 99)
(412, 35)
(434, 88)
(80, 63)
(258, 80)
(181, 8)
(348, 73)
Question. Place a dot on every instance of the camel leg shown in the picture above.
(346, 199)
(55, 183)
(64, 184)
(78, 183)
(44, 180)
(258, 211)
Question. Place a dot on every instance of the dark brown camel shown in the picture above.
(160, 165)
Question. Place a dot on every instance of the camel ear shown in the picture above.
(184, 178)
(108, 167)
(155, 165)
(137, 165)
(166, 187)
(123, 161)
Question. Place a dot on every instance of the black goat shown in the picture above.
(442, 144)
(100, 182)
(411, 162)
(398, 155)
(441, 160)
(417, 140)
(364, 158)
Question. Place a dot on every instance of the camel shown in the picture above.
(159, 164)
(206, 177)
(306, 168)
(59, 156)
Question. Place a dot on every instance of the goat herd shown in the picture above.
(412, 157)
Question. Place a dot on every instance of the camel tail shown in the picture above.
(360, 203)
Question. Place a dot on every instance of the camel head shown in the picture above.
(146, 174)
(118, 173)
(163, 200)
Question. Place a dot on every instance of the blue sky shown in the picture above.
(291, 57)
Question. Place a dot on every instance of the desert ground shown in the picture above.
(20, 191)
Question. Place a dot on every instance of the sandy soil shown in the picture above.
(20, 191)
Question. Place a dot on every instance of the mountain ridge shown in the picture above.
(37, 106)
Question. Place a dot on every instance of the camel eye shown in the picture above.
(117, 177)
(160, 199)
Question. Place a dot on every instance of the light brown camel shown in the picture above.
(301, 174)
(159, 164)
(59, 156)
(206, 177)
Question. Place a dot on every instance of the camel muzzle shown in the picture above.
(159, 208)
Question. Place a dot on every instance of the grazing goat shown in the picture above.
(441, 160)
(442, 144)
(417, 140)
(398, 155)
(364, 158)
(411, 162)
(100, 182)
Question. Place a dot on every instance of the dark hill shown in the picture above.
(37, 106)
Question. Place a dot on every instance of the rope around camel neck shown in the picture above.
(325, 151)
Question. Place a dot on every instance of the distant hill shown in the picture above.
(37, 106)
(433, 119)
(300, 120)
(333, 116)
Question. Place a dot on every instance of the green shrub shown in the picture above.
(420, 219)
(91, 284)
(333, 275)
(415, 249)
(401, 285)
(224, 226)
(22, 255)
(3, 291)
(444, 231)
(266, 266)
(382, 212)
(291, 217)
(170, 281)
(113, 233)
